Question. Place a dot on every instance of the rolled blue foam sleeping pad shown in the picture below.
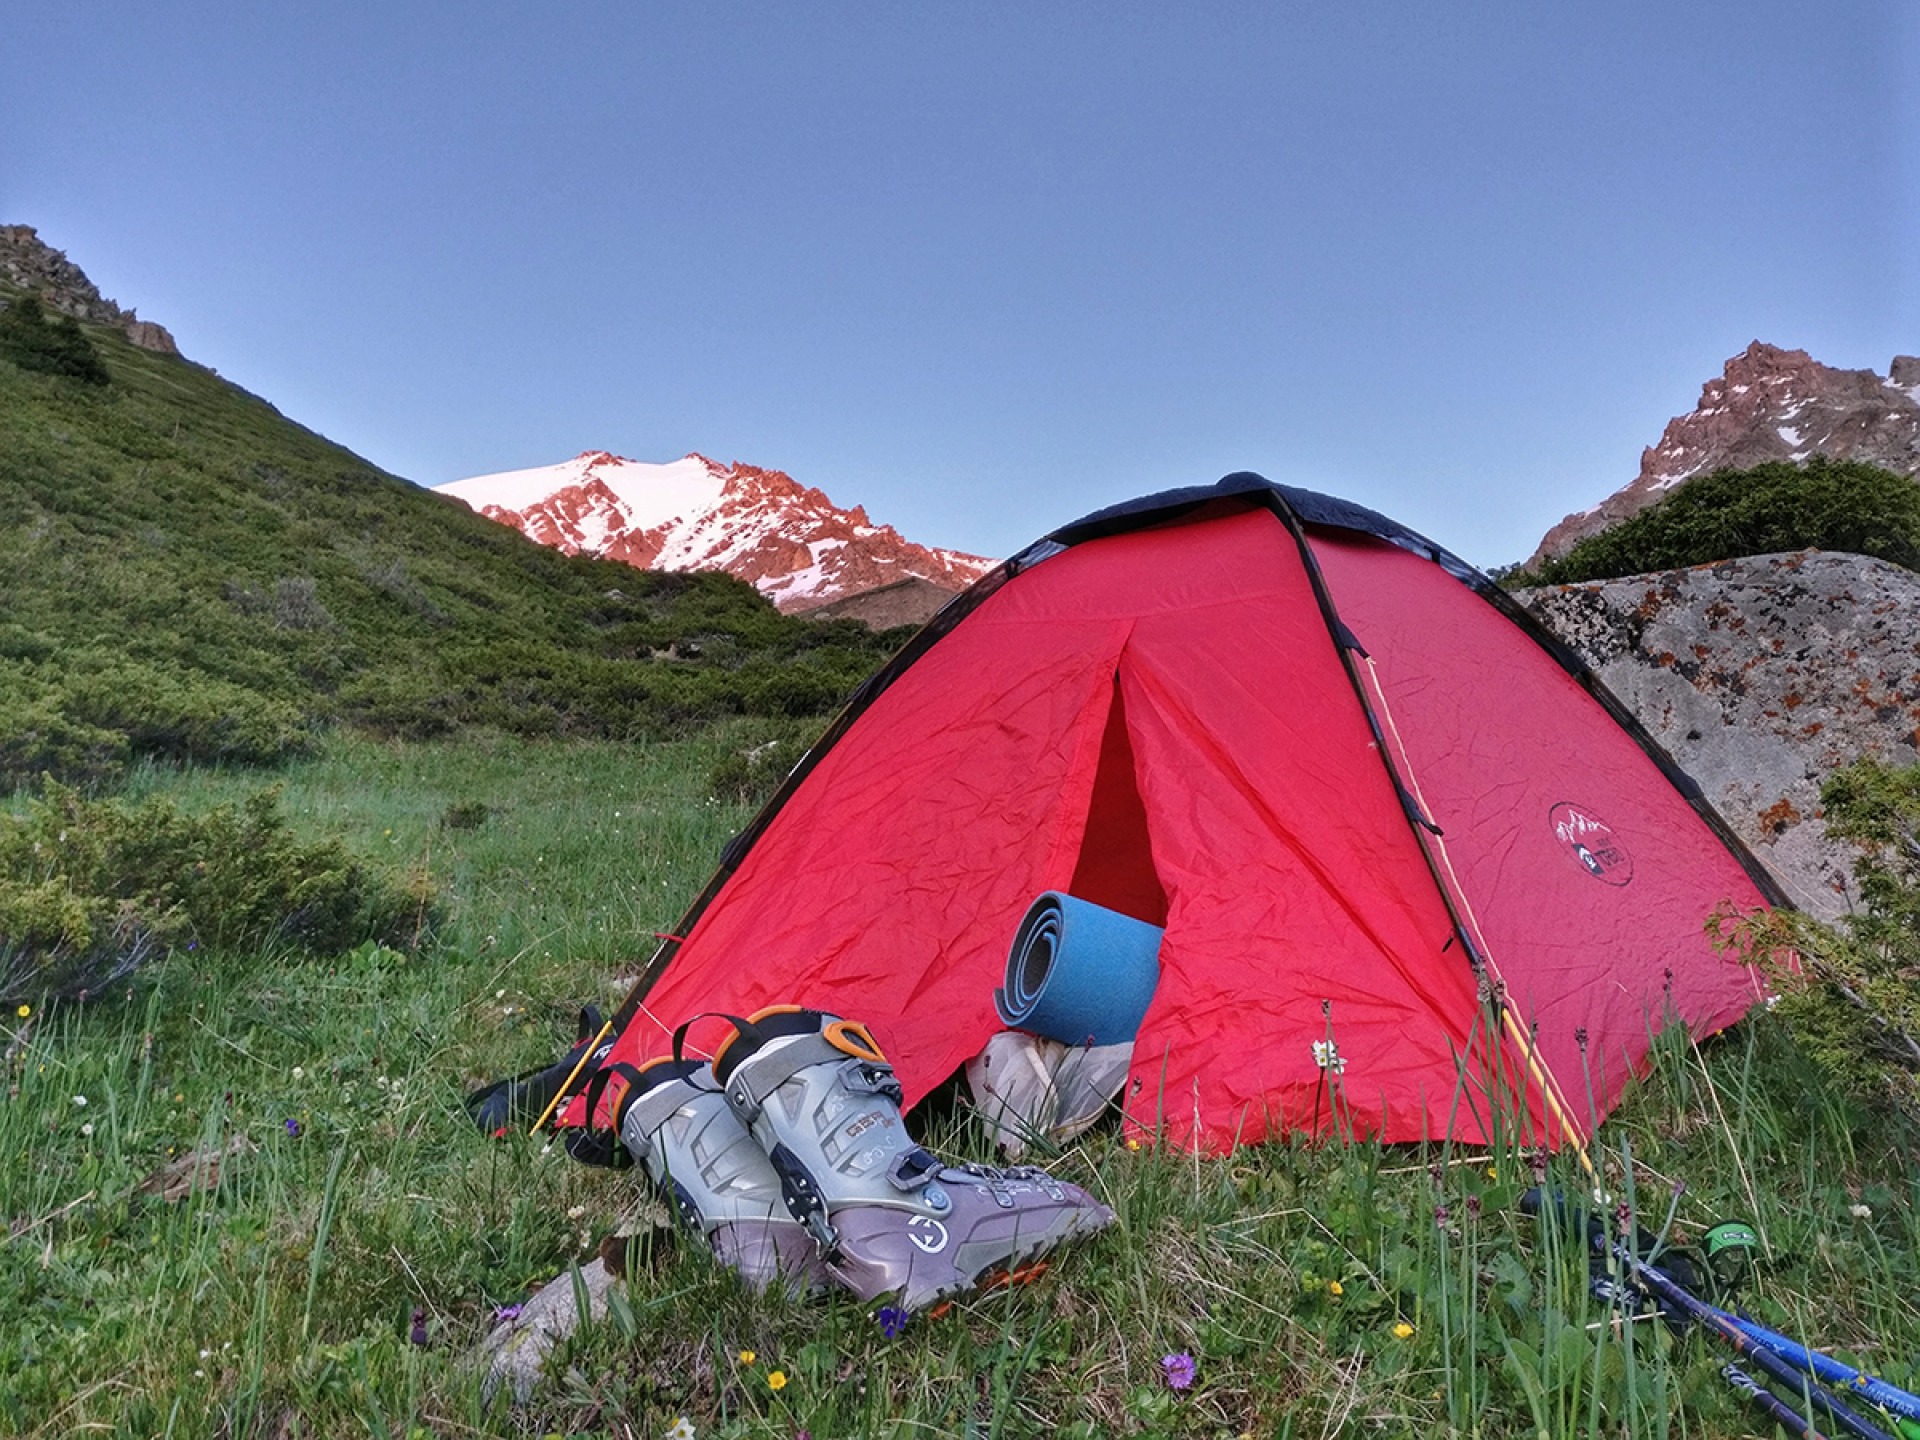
(1079, 973)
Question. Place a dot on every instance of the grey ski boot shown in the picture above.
(890, 1218)
(678, 1125)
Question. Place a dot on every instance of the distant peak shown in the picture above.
(760, 525)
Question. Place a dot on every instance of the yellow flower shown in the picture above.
(747, 1357)
(1492, 1174)
(777, 1380)
(1133, 1144)
(1335, 1289)
(1403, 1331)
(24, 1011)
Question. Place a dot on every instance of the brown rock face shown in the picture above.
(30, 265)
(1761, 676)
(1769, 404)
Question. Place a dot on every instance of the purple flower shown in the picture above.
(418, 1335)
(892, 1320)
(293, 1128)
(1179, 1369)
(506, 1313)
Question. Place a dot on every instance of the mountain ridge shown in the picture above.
(1767, 404)
(788, 540)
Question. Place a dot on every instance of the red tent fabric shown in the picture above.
(1369, 802)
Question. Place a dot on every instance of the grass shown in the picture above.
(1321, 1290)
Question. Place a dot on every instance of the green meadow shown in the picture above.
(337, 800)
(1319, 1289)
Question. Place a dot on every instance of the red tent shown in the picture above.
(1367, 797)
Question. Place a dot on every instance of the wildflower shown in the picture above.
(24, 1011)
(506, 1313)
(293, 1128)
(1335, 1289)
(418, 1334)
(205, 1352)
(1492, 1174)
(299, 1072)
(1132, 1144)
(892, 1320)
(1860, 1212)
(1403, 1331)
(1328, 1057)
(87, 1129)
(1473, 1206)
(777, 1380)
(747, 1357)
(501, 995)
(575, 1212)
(1441, 1215)
(1178, 1368)
(681, 1429)
(80, 1102)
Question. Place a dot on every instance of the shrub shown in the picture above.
(759, 761)
(1855, 1008)
(90, 888)
(1825, 505)
(52, 345)
(38, 736)
(181, 714)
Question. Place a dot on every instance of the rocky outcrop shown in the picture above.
(912, 601)
(1769, 404)
(786, 539)
(1760, 676)
(29, 265)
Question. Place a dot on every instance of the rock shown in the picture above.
(1769, 404)
(515, 1352)
(1761, 676)
(29, 264)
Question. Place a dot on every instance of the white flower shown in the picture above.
(81, 1101)
(576, 1212)
(1328, 1057)
(299, 1073)
(87, 1129)
(499, 994)
(682, 1429)
(381, 1081)
(204, 1353)
(1860, 1212)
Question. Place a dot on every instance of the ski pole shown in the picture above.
(1673, 1297)
(1888, 1397)
(1788, 1418)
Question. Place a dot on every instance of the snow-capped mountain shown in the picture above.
(791, 542)
(1769, 404)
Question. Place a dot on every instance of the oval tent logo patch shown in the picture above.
(1591, 843)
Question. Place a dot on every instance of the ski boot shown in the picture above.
(678, 1125)
(890, 1218)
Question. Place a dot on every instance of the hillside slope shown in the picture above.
(186, 572)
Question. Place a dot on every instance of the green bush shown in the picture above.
(1855, 1005)
(180, 714)
(758, 761)
(90, 888)
(52, 345)
(38, 735)
(1823, 505)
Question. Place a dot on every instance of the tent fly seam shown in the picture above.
(1465, 928)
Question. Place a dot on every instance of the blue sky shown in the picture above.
(984, 267)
